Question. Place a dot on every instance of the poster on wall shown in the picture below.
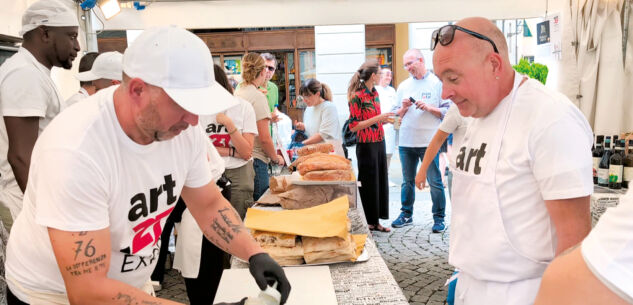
(548, 37)
(542, 32)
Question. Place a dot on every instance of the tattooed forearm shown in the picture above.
(237, 228)
(88, 266)
(126, 299)
(222, 231)
(216, 242)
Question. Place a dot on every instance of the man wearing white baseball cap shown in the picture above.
(108, 171)
(29, 99)
(107, 70)
(86, 89)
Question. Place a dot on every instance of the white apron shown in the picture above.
(479, 244)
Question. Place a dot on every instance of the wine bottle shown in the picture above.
(603, 167)
(627, 175)
(597, 155)
(616, 167)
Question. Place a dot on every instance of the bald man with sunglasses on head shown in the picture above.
(522, 175)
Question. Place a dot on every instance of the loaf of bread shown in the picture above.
(274, 239)
(329, 175)
(313, 148)
(301, 159)
(329, 249)
(323, 163)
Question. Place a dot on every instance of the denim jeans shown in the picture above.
(260, 184)
(410, 157)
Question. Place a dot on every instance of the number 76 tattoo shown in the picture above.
(89, 250)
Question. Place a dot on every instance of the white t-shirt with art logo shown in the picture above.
(243, 117)
(86, 174)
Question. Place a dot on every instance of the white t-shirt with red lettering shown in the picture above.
(243, 117)
(86, 174)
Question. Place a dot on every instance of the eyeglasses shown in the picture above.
(445, 35)
(270, 68)
(407, 64)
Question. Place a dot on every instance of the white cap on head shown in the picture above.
(179, 62)
(52, 13)
(108, 65)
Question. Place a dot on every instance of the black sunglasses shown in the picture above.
(445, 35)
(270, 68)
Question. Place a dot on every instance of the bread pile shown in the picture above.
(315, 164)
(285, 249)
(288, 249)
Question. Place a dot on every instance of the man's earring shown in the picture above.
(496, 77)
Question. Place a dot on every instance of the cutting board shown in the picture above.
(310, 286)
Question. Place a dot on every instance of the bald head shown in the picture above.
(473, 76)
(485, 27)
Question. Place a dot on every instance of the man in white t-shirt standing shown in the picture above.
(29, 98)
(523, 170)
(107, 70)
(107, 172)
(419, 124)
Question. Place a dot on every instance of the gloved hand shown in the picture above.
(238, 303)
(266, 272)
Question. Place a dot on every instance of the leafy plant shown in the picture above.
(534, 70)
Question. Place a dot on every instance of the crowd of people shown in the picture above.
(93, 186)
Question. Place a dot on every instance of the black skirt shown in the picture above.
(373, 176)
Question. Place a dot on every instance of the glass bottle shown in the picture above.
(616, 167)
(597, 155)
(603, 167)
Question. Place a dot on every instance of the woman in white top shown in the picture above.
(387, 96)
(320, 119)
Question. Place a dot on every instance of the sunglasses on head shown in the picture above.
(270, 68)
(445, 35)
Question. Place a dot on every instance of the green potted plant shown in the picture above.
(534, 70)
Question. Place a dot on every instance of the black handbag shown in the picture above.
(349, 137)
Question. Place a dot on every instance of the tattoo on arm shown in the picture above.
(215, 241)
(237, 228)
(88, 266)
(127, 299)
(88, 251)
(222, 231)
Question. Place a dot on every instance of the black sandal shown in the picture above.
(379, 228)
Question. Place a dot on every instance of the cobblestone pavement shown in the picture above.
(416, 257)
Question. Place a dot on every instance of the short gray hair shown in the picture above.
(268, 56)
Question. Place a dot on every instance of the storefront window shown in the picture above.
(290, 64)
(307, 64)
(233, 67)
(383, 55)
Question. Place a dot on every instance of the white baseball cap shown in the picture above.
(52, 13)
(178, 61)
(108, 65)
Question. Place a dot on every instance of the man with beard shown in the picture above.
(29, 99)
(107, 172)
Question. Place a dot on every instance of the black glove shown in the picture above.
(238, 303)
(266, 272)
